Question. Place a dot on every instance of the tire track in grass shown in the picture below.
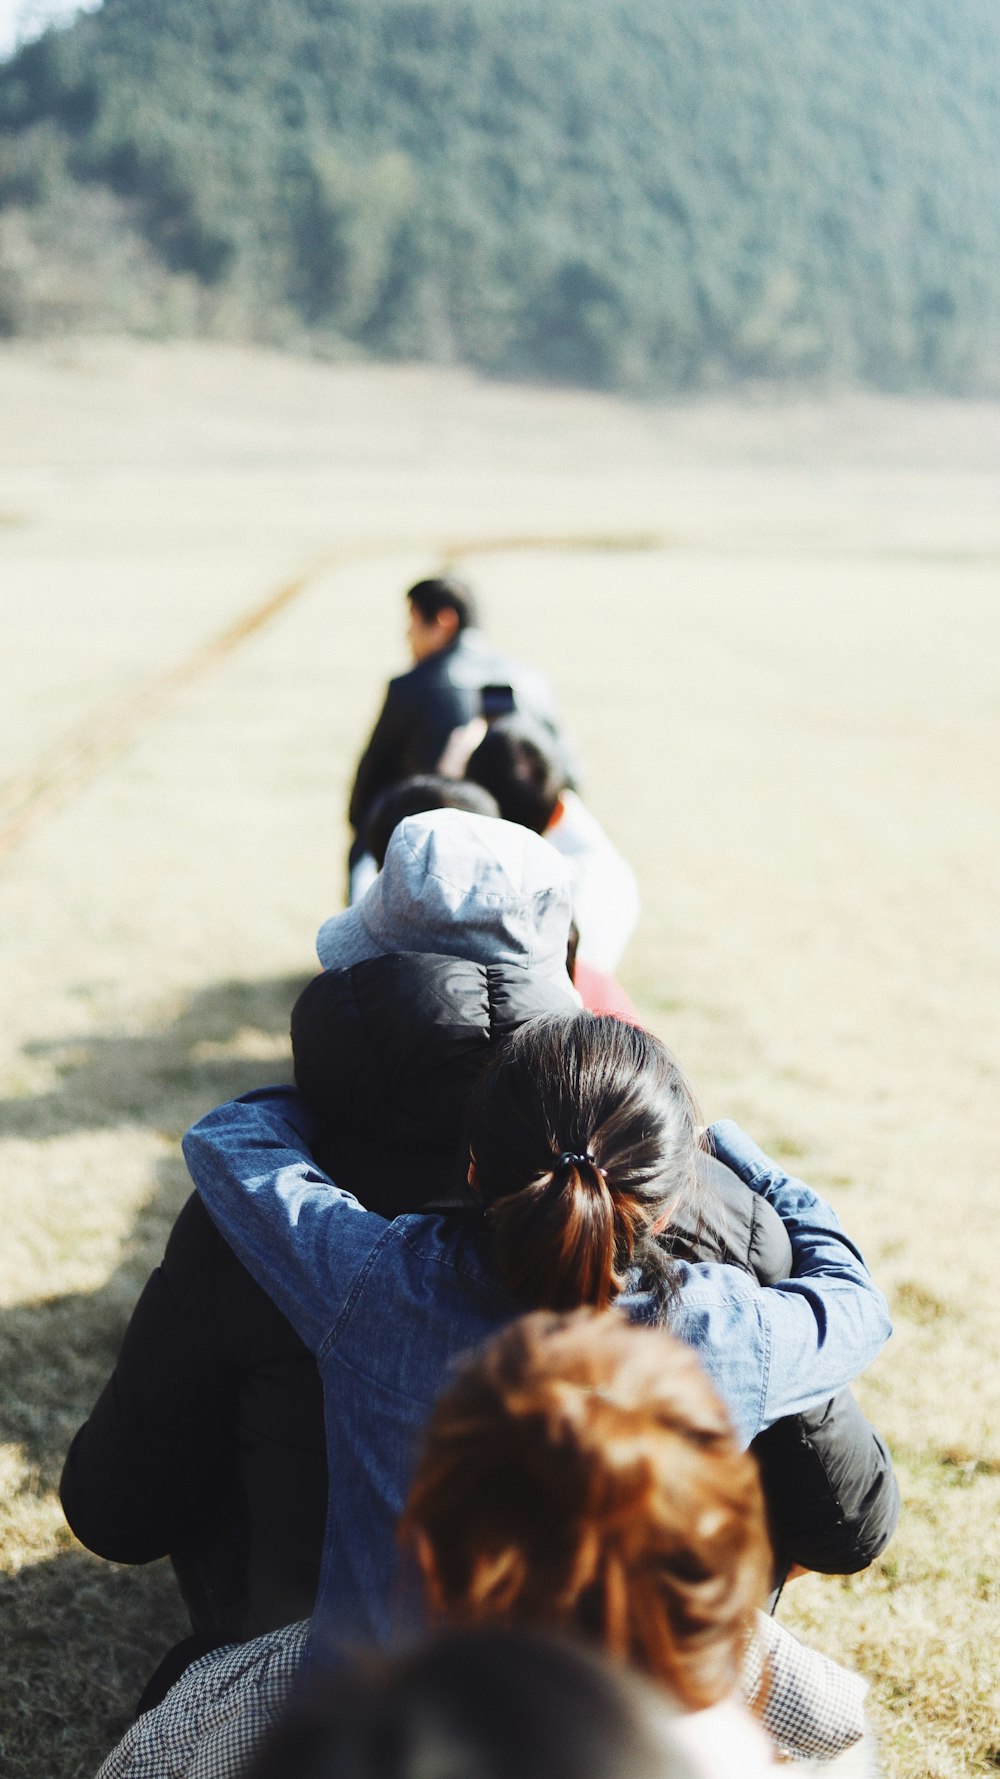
(82, 755)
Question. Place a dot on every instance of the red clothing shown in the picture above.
(601, 993)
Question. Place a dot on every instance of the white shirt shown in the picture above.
(605, 892)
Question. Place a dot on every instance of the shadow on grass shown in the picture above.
(55, 1354)
(152, 1078)
(81, 1636)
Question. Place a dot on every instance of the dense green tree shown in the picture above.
(630, 193)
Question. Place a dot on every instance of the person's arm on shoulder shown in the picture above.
(302, 1238)
(829, 1320)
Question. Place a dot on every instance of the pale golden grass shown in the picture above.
(790, 715)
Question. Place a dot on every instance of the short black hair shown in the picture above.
(489, 1703)
(522, 765)
(413, 796)
(444, 592)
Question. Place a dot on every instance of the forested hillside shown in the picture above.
(632, 193)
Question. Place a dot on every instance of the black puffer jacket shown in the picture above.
(388, 1052)
(207, 1443)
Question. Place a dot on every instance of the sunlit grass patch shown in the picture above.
(918, 1303)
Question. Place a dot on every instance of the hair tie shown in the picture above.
(568, 1158)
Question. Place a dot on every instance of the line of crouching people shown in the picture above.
(483, 1401)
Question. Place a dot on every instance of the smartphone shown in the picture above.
(496, 701)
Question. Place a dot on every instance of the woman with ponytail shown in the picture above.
(583, 1139)
(582, 1142)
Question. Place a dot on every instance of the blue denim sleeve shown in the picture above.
(829, 1320)
(302, 1238)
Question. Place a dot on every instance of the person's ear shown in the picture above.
(473, 1174)
(447, 622)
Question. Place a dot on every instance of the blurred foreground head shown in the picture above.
(581, 1475)
(491, 1704)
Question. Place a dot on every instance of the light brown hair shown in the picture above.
(581, 1475)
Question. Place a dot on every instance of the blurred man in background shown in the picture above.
(456, 684)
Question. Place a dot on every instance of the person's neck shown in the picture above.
(448, 647)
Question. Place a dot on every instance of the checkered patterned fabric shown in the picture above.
(217, 1714)
(811, 1707)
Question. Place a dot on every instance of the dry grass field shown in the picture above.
(776, 633)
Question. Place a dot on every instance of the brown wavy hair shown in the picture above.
(581, 1475)
(583, 1132)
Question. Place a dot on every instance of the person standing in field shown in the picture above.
(457, 679)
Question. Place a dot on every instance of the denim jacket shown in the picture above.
(388, 1306)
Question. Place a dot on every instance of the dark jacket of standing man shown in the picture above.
(443, 690)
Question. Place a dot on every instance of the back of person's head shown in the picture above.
(444, 592)
(485, 1704)
(521, 765)
(583, 1136)
(387, 1053)
(465, 886)
(580, 1474)
(414, 796)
